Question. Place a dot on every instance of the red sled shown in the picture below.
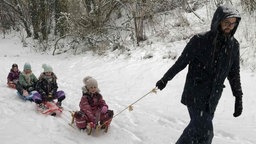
(11, 85)
(51, 109)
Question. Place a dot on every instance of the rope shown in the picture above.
(130, 106)
(154, 90)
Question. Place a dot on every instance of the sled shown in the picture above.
(11, 85)
(89, 128)
(97, 129)
(51, 109)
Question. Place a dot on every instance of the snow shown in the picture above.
(123, 78)
(157, 118)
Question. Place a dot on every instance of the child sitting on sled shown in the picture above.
(47, 88)
(93, 109)
(13, 76)
(26, 83)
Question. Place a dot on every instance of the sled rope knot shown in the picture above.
(130, 107)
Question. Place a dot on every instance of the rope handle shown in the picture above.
(130, 107)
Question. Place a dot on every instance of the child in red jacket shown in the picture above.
(93, 109)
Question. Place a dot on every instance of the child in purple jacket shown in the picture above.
(13, 76)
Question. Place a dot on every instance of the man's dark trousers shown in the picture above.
(199, 129)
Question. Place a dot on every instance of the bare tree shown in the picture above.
(96, 21)
(34, 12)
(16, 7)
(6, 19)
(40, 11)
(139, 14)
(249, 5)
(44, 16)
(61, 9)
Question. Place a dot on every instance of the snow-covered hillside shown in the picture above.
(155, 119)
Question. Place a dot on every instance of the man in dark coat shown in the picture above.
(212, 57)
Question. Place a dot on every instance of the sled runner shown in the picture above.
(90, 128)
(50, 108)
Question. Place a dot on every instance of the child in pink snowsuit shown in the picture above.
(93, 108)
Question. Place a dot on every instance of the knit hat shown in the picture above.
(47, 68)
(90, 82)
(27, 66)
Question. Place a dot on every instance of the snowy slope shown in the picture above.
(155, 119)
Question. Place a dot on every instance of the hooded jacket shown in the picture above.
(91, 104)
(47, 85)
(13, 75)
(212, 57)
(26, 82)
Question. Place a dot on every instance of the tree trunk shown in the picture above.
(89, 4)
(61, 23)
(138, 20)
(43, 18)
(34, 12)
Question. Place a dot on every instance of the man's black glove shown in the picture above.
(238, 106)
(161, 84)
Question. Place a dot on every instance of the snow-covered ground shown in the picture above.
(158, 118)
